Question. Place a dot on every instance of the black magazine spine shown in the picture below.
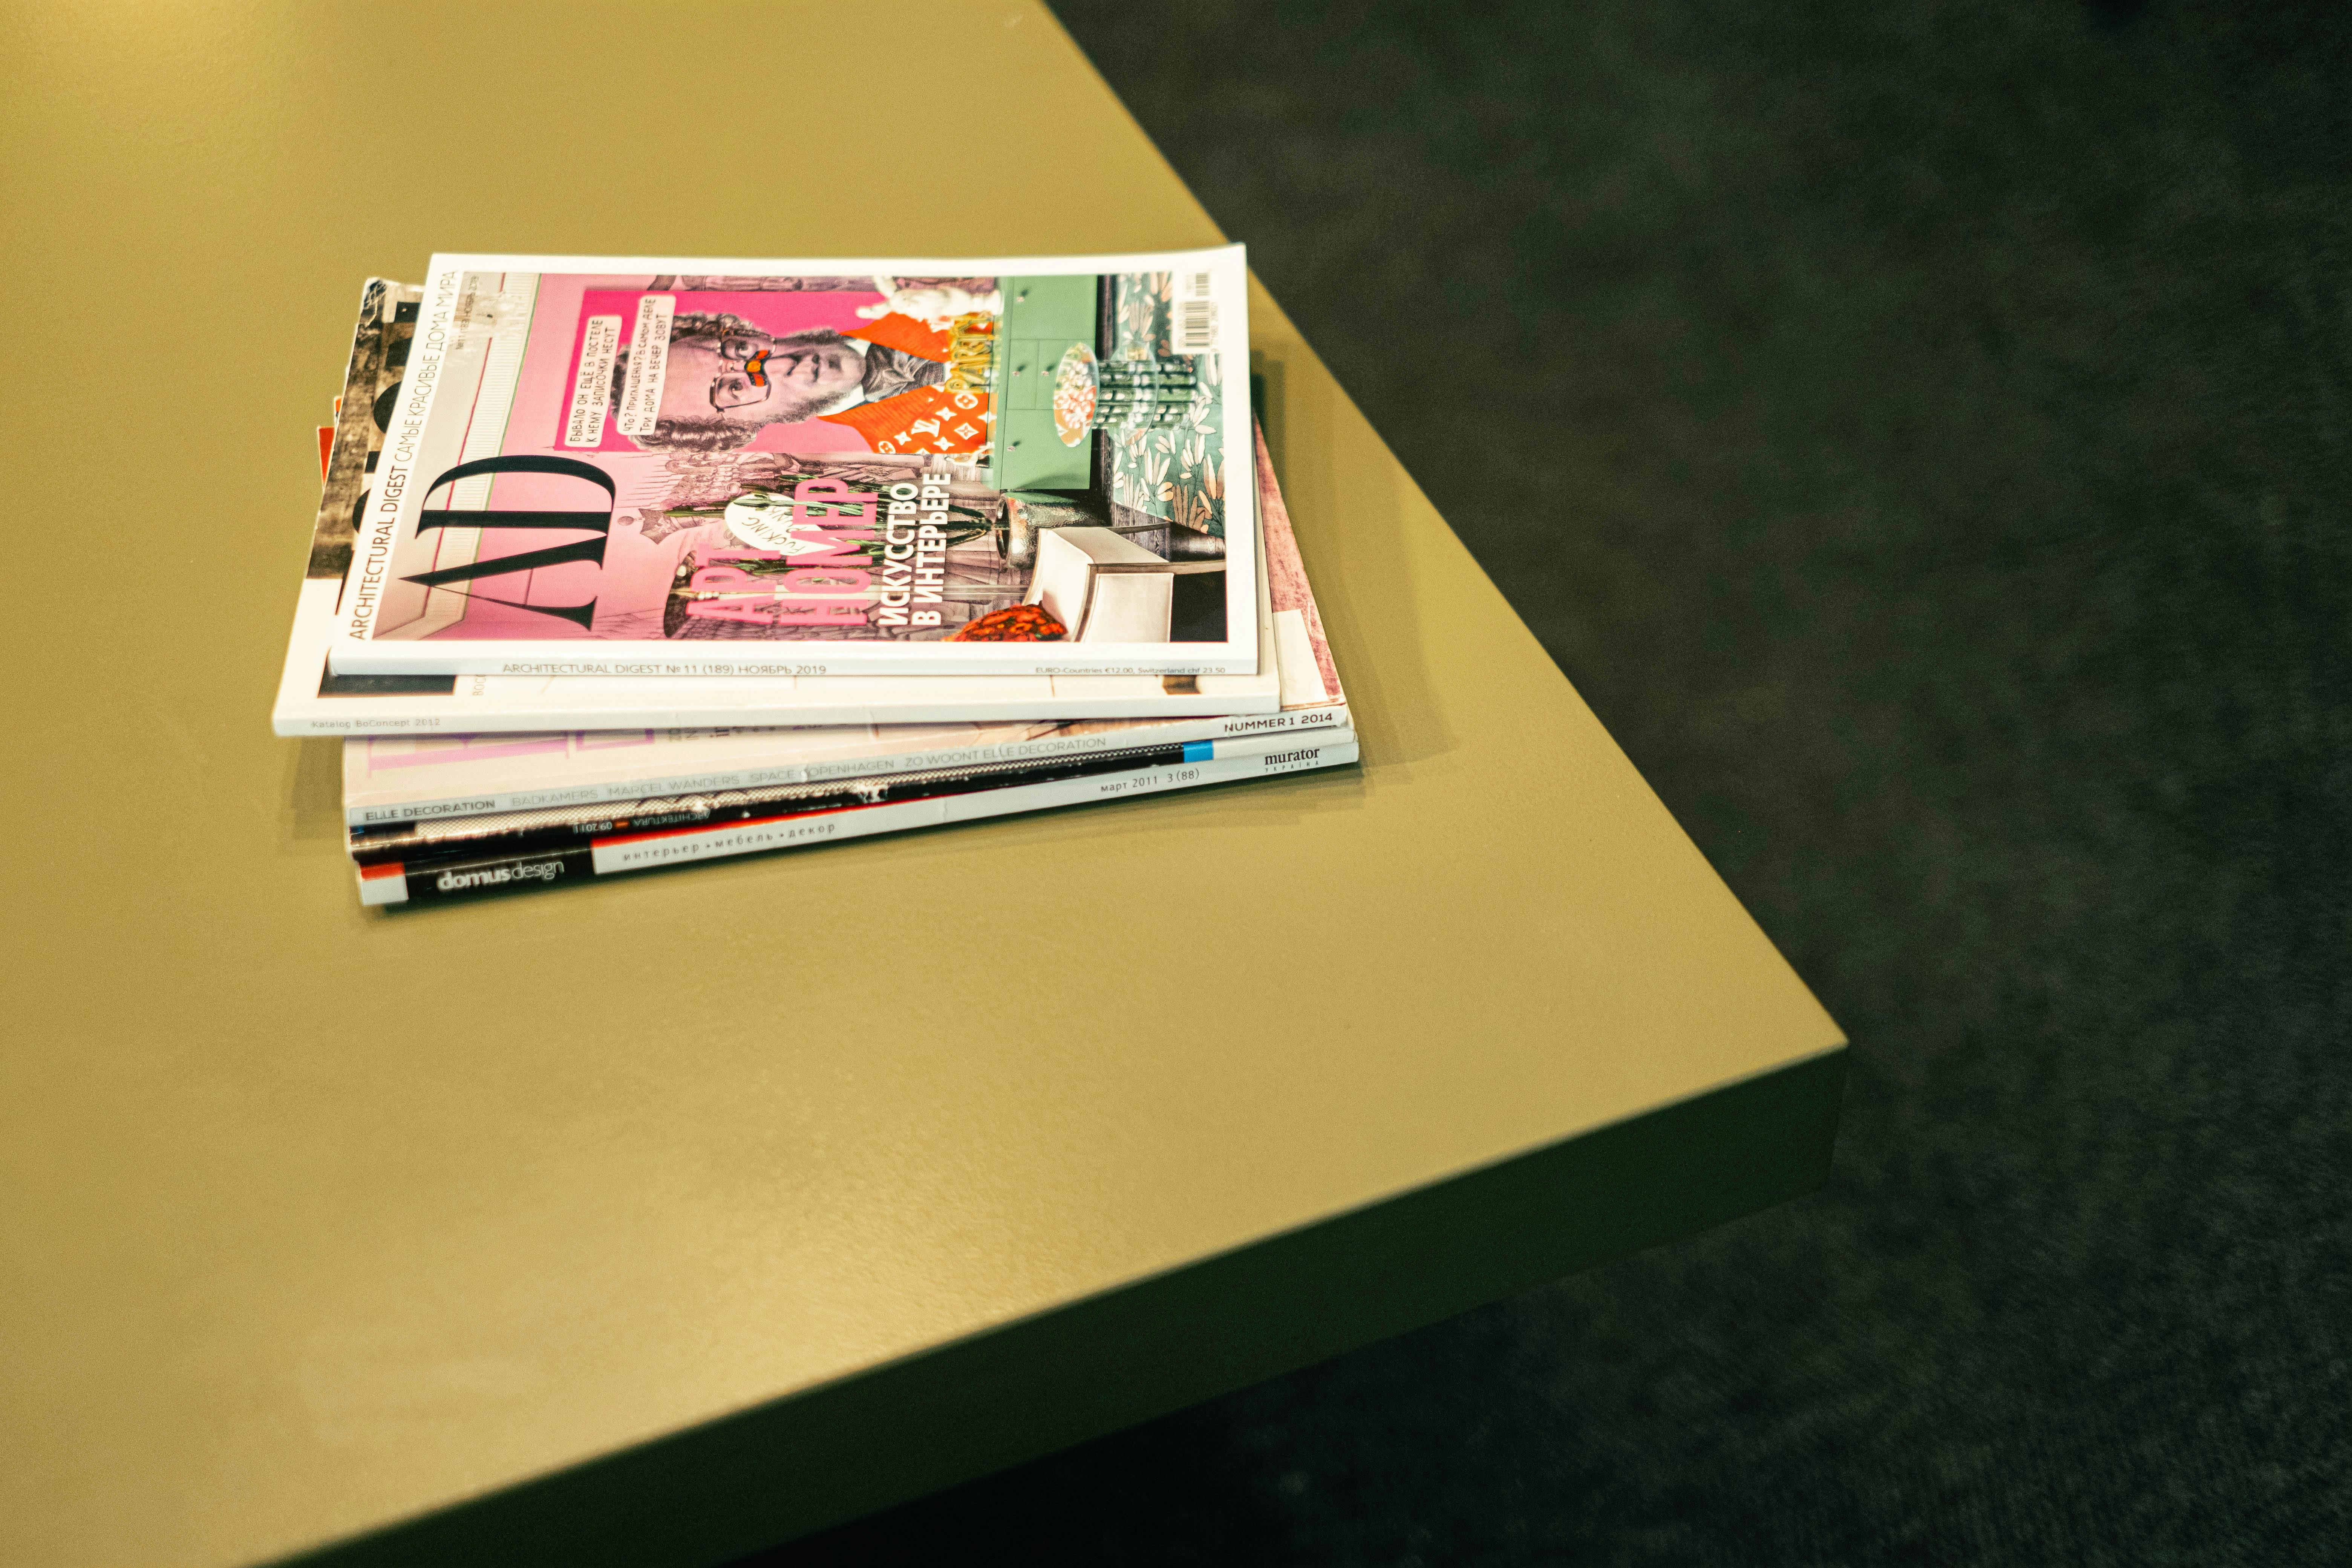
(447, 878)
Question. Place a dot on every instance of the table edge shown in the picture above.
(824, 1455)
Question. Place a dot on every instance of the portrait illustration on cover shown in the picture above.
(881, 374)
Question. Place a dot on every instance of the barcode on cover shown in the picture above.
(1192, 325)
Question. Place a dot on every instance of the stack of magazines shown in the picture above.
(625, 563)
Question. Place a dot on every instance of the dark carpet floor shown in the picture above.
(1942, 419)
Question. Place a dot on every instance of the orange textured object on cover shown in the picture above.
(1014, 623)
(925, 419)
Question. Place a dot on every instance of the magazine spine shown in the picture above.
(391, 656)
(302, 716)
(572, 824)
(486, 833)
(750, 774)
(445, 879)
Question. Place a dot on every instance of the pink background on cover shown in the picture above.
(777, 314)
(635, 573)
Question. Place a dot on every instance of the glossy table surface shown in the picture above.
(318, 1220)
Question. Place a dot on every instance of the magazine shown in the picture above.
(510, 832)
(314, 700)
(638, 847)
(390, 780)
(665, 466)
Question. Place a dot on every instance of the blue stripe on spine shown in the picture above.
(1199, 751)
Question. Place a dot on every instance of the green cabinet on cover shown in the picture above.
(1043, 318)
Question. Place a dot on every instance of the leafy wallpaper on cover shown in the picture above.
(1174, 472)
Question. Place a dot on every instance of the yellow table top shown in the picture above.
(315, 1219)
